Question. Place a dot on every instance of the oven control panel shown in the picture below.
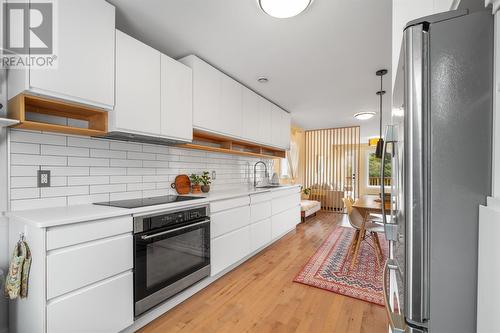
(157, 221)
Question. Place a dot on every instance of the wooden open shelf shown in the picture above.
(220, 144)
(22, 104)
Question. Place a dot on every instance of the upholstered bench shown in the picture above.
(308, 208)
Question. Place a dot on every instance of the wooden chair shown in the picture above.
(363, 227)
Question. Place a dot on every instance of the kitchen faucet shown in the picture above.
(255, 172)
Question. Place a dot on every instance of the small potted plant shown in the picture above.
(195, 183)
(206, 180)
(306, 193)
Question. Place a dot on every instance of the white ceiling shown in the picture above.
(321, 64)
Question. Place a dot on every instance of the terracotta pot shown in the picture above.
(195, 189)
(305, 196)
(205, 188)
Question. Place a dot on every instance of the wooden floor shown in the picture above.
(259, 296)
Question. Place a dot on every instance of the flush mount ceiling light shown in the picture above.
(263, 79)
(364, 115)
(284, 8)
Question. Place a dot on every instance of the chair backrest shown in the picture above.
(355, 218)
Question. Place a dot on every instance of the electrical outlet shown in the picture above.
(43, 178)
(214, 175)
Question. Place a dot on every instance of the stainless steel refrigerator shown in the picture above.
(440, 143)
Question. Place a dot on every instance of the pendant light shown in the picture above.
(380, 93)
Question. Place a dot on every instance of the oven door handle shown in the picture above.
(146, 237)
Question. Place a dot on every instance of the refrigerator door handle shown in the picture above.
(416, 41)
(396, 319)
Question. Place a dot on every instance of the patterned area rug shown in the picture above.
(329, 268)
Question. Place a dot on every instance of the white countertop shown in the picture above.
(57, 216)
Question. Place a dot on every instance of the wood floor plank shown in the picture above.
(260, 296)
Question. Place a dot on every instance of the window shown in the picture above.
(374, 170)
(284, 170)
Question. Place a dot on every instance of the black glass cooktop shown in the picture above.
(136, 203)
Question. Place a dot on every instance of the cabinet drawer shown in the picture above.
(104, 307)
(283, 203)
(260, 234)
(229, 248)
(76, 267)
(261, 197)
(72, 234)
(285, 192)
(284, 222)
(229, 220)
(218, 206)
(260, 211)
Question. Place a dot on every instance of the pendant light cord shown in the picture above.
(381, 86)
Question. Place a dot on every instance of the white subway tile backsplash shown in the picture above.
(127, 146)
(155, 149)
(125, 179)
(108, 153)
(141, 156)
(87, 199)
(20, 182)
(88, 180)
(64, 151)
(37, 137)
(141, 186)
(64, 191)
(37, 203)
(156, 164)
(66, 171)
(141, 171)
(86, 170)
(24, 193)
(87, 142)
(108, 188)
(125, 195)
(24, 170)
(24, 148)
(88, 161)
(107, 171)
(25, 159)
(125, 163)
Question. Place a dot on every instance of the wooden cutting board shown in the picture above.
(182, 184)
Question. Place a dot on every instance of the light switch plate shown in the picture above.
(43, 178)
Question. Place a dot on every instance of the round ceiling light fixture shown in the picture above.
(364, 115)
(284, 8)
(263, 79)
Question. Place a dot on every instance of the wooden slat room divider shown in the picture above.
(332, 165)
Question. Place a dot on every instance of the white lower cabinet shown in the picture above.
(229, 220)
(229, 249)
(106, 307)
(87, 264)
(260, 234)
(285, 221)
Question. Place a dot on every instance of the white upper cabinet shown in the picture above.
(154, 93)
(252, 116)
(265, 120)
(223, 106)
(280, 135)
(206, 94)
(286, 129)
(138, 87)
(231, 107)
(85, 50)
(176, 99)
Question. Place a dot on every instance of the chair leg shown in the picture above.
(377, 240)
(377, 248)
(358, 243)
(354, 241)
